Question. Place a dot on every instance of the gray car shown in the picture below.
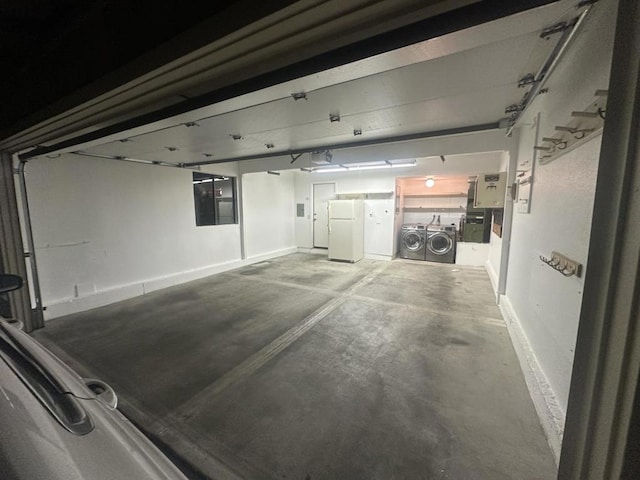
(56, 425)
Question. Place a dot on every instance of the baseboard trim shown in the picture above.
(269, 255)
(373, 256)
(493, 277)
(124, 292)
(313, 251)
(544, 399)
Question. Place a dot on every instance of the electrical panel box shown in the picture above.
(490, 190)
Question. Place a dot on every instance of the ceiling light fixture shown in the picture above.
(330, 170)
(430, 182)
(366, 166)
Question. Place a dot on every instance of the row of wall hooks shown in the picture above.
(584, 123)
(563, 264)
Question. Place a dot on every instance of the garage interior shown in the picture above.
(241, 347)
(376, 370)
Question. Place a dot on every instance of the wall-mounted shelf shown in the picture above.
(434, 210)
(584, 125)
(439, 195)
(364, 196)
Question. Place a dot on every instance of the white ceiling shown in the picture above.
(462, 79)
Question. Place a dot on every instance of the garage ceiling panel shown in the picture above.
(455, 86)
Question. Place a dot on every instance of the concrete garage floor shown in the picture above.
(306, 369)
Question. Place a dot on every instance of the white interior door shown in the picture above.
(322, 193)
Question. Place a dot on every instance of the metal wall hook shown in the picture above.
(562, 264)
(578, 133)
(558, 143)
(548, 261)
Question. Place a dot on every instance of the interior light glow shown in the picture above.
(330, 170)
(402, 165)
(369, 166)
(430, 182)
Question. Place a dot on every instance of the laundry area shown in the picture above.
(439, 216)
(371, 268)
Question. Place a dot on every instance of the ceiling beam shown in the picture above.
(363, 143)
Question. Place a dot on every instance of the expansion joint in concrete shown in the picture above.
(252, 364)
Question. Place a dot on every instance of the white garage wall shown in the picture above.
(268, 214)
(542, 306)
(495, 242)
(378, 213)
(106, 230)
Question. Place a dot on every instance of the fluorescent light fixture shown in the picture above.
(404, 164)
(430, 182)
(366, 166)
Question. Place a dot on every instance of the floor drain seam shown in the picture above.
(496, 321)
(283, 284)
(268, 352)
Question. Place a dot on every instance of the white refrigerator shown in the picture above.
(346, 230)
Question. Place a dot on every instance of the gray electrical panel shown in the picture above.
(300, 209)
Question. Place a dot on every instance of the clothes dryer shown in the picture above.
(413, 240)
(441, 244)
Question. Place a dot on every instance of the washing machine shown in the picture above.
(441, 243)
(413, 241)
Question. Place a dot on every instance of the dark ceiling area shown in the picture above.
(53, 48)
(57, 54)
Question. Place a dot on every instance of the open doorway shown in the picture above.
(447, 219)
(322, 193)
